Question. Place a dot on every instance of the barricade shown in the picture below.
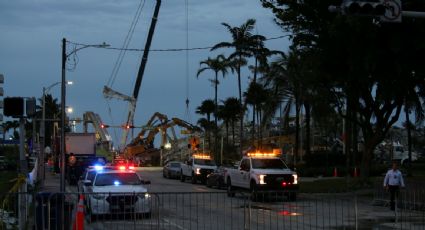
(218, 211)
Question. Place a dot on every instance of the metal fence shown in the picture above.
(409, 203)
(214, 211)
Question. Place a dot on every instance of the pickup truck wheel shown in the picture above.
(254, 191)
(182, 178)
(193, 178)
(230, 190)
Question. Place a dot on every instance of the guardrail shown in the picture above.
(207, 210)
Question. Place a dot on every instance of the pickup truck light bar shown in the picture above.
(261, 154)
(201, 156)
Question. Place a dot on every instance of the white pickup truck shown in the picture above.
(262, 172)
(197, 168)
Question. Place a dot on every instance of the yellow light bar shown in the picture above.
(261, 154)
(201, 156)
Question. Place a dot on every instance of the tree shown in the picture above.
(256, 95)
(364, 64)
(232, 107)
(217, 65)
(207, 108)
(52, 111)
(242, 41)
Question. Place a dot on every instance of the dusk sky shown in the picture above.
(30, 52)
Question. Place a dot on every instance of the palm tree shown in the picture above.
(207, 108)
(242, 42)
(224, 115)
(233, 108)
(52, 112)
(288, 88)
(256, 95)
(218, 64)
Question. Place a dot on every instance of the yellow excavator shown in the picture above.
(142, 144)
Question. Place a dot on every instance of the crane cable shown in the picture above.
(188, 118)
(126, 43)
(121, 55)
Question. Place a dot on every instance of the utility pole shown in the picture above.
(62, 135)
(24, 171)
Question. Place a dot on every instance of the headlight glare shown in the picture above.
(295, 178)
(261, 179)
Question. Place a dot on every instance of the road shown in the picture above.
(185, 206)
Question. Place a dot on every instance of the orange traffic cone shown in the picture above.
(79, 217)
(335, 172)
(355, 172)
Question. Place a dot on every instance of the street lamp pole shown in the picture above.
(62, 137)
(63, 96)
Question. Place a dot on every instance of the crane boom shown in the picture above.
(132, 109)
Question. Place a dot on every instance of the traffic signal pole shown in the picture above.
(413, 14)
(385, 10)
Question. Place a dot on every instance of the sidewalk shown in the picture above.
(51, 182)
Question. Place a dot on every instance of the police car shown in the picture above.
(119, 191)
(86, 179)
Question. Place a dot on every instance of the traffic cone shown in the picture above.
(355, 172)
(335, 172)
(79, 217)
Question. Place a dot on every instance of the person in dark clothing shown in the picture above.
(72, 171)
(392, 183)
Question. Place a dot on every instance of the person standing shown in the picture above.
(392, 183)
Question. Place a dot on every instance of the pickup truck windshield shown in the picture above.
(268, 164)
(117, 179)
(205, 162)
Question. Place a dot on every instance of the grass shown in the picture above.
(6, 180)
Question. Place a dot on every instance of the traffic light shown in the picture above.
(193, 143)
(128, 126)
(14, 106)
(364, 8)
(103, 126)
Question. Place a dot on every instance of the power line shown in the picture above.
(170, 49)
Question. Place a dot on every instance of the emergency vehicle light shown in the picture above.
(98, 167)
(201, 156)
(261, 154)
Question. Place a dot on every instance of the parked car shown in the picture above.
(216, 178)
(172, 170)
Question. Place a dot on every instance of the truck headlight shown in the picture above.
(198, 171)
(295, 178)
(261, 179)
(145, 196)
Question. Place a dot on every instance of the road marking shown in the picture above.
(173, 224)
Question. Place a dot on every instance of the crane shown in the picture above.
(132, 100)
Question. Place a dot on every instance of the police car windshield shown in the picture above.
(106, 179)
(268, 164)
(91, 175)
(205, 162)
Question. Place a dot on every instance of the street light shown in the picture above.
(43, 124)
(63, 93)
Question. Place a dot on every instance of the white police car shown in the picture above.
(115, 192)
